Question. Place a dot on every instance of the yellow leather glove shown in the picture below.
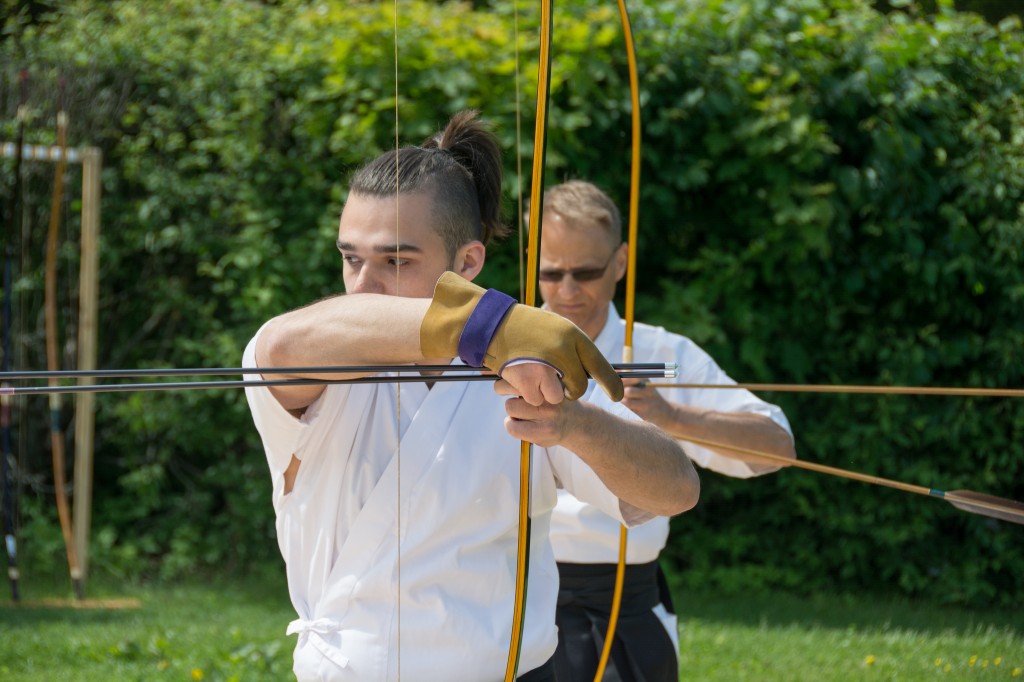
(487, 327)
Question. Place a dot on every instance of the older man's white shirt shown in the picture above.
(580, 532)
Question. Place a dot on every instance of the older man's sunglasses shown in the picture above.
(578, 274)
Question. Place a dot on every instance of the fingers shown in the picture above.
(603, 374)
(541, 425)
(536, 383)
(635, 392)
(634, 388)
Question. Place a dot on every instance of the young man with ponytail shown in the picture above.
(397, 508)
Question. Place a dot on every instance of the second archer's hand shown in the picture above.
(646, 402)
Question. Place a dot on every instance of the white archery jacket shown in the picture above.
(441, 606)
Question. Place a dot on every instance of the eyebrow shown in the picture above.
(381, 248)
(582, 269)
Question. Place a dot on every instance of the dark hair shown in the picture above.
(460, 166)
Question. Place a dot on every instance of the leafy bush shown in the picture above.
(845, 193)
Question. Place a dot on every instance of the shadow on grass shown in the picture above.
(109, 601)
(27, 614)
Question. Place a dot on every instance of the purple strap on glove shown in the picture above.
(483, 323)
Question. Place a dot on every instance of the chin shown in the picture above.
(577, 320)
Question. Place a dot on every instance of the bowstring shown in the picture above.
(519, 152)
(398, 387)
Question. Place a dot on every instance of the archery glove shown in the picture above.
(488, 328)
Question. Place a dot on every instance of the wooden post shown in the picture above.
(88, 299)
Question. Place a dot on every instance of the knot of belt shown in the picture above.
(316, 631)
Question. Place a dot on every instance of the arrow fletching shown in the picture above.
(986, 505)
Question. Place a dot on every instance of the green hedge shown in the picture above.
(848, 206)
(829, 195)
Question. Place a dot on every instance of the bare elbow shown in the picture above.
(273, 346)
(683, 487)
(687, 494)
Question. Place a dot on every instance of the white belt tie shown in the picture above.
(316, 630)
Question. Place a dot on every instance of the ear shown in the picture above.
(621, 261)
(469, 259)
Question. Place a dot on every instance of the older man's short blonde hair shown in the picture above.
(579, 201)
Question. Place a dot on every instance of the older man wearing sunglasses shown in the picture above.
(582, 259)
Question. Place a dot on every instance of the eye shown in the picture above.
(350, 260)
(398, 262)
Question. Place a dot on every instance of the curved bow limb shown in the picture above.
(630, 312)
(52, 355)
(530, 298)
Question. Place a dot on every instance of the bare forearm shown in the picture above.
(637, 462)
(741, 429)
(356, 329)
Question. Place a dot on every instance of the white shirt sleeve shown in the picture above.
(283, 433)
(700, 368)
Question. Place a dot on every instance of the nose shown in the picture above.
(367, 281)
(568, 285)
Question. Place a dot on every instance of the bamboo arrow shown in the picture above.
(965, 500)
(855, 388)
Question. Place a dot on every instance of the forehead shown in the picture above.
(560, 233)
(368, 222)
(579, 226)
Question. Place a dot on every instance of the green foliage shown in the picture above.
(830, 195)
(847, 208)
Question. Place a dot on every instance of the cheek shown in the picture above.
(348, 278)
(415, 285)
(608, 288)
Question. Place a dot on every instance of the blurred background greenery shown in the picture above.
(833, 192)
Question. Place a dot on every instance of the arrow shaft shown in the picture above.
(242, 383)
(220, 371)
(978, 503)
(862, 389)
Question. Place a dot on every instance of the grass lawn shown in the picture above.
(235, 631)
(196, 631)
(781, 638)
